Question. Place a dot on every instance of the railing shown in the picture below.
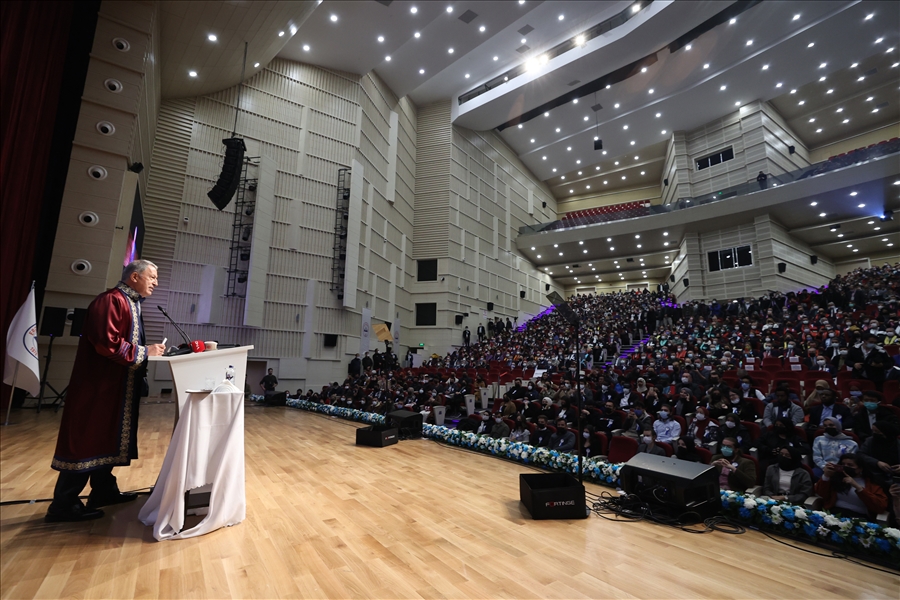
(835, 162)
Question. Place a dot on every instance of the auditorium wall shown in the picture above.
(311, 122)
(472, 195)
(116, 126)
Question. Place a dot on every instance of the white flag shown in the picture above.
(22, 349)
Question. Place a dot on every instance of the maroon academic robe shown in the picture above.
(100, 418)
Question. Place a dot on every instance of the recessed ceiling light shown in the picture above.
(643, 69)
(623, 177)
(665, 233)
(650, 91)
(823, 65)
(749, 42)
(579, 40)
(563, 177)
(632, 142)
(830, 90)
(192, 73)
(605, 182)
(821, 214)
(874, 110)
(603, 153)
(306, 47)
(738, 103)
(796, 17)
(255, 65)
(561, 17)
(801, 103)
(706, 65)
(642, 172)
(421, 71)
(876, 229)
(546, 114)
(417, 35)
(854, 65)
(520, 125)
(869, 16)
(617, 163)
(778, 85)
(280, 34)
(723, 88)
(413, 9)
(840, 110)
(575, 101)
(840, 235)
(870, 223)
(665, 244)
(688, 47)
(819, 130)
(637, 237)
(598, 168)
(821, 79)
(879, 40)
(616, 105)
(388, 59)
(856, 249)
(732, 22)
(813, 203)
(586, 117)
(810, 45)
(380, 38)
(212, 37)
(812, 120)
(579, 172)
(532, 247)
(334, 18)
(557, 130)
(794, 91)
(578, 162)
(765, 67)
(664, 132)
(532, 140)
(543, 158)
(860, 206)
(481, 29)
(449, 50)
(449, 9)
(556, 245)
(585, 251)
(637, 158)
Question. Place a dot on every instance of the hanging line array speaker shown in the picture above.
(226, 186)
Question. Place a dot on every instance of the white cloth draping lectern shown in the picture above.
(207, 449)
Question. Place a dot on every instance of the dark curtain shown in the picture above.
(35, 38)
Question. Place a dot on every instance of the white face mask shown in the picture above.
(646, 439)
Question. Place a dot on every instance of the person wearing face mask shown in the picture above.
(830, 447)
(563, 440)
(499, 429)
(827, 407)
(542, 433)
(648, 444)
(587, 439)
(698, 425)
(484, 428)
(782, 407)
(871, 410)
(876, 362)
(686, 449)
(520, 433)
(667, 428)
(848, 491)
(782, 435)
(735, 472)
(891, 336)
(748, 390)
(733, 428)
(786, 480)
(628, 397)
(608, 420)
(637, 420)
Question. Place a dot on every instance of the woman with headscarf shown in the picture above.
(786, 480)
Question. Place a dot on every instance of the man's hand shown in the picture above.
(828, 471)
(155, 350)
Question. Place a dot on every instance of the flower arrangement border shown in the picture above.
(783, 518)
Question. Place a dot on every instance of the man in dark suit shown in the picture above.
(542, 433)
(563, 440)
(829, 408)
(870, 412)
(480, 332)
(467, 337)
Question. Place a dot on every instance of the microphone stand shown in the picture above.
(184, 336)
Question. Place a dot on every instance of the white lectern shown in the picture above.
(196, 372)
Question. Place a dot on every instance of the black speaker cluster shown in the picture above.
(226, 185)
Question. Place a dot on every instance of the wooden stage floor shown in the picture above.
(326, 519)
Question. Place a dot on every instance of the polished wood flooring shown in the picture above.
(327, 519)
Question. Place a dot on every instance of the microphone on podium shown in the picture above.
(186, 349)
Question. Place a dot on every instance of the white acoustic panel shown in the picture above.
(354, 226)
(392, 157)
(255, 301)
(212, 286)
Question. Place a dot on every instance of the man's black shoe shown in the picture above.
(110, 499)
(74, 515)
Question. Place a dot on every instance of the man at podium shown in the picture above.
(100, 419)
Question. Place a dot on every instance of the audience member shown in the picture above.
(787, 480)
(735, 472)
(830, 447)
(563, 440)
(848, 491)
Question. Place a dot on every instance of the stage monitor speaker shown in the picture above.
(54, 321)
(552, 496)
(409, 423)
(277, 399)
(546, 287)
(813, 259)
(490, 306)
(78, 318)
(782, 267)
(377, 436)
(680, 485)
(521, 293)
(459, 319)
(686, 281)
(226, 185)
(330, 340)
(598, 144)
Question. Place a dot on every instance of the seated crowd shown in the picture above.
(796, 393)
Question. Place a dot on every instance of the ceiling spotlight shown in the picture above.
(869, 16)
(794, 91)
(861, 78)
(778, 85)
(481, 29)
(860, 205)
(810, 45)
(632, 142)
(814, 203)
(732, 22)
(625, 127)
(870, 98)
(579, 40)
(449, 9)
(616, 105)
(380, 38)
(823, 65)
(665, 233)
(821, 79)
(879, 40)
(421, 71)
(706, 65)
(801, 103)
(834, 227)
(413, 10)
(830, 91)
(449, 50)
(854, 65)
(738, 103)
(796, 17)
(642, 172)
(723, 88)
(333, 18)
(812, 120)
(765, 67)
(388, 59)
(578, 162)
(212, 37)
(819, 130)
(546, 114)
(192, 73)
(643, 69)
(688, 47)
(749, 42)
(840, 110)
(650, 91)
(280, 34)
(821, 214)
(561, 17)
(417, 35)
(255, 65)
(306, 47)
(520, 125)
(664, 132)
(543, 158)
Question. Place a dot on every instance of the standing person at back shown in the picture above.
(268, 383)
(99, 424)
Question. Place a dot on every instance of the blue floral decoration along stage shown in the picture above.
(780, 517)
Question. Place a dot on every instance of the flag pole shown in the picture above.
(12, 390)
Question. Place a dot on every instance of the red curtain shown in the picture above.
(34, 39)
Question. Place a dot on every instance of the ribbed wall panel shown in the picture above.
(431, 219)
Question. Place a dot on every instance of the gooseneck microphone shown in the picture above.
(187, 340)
